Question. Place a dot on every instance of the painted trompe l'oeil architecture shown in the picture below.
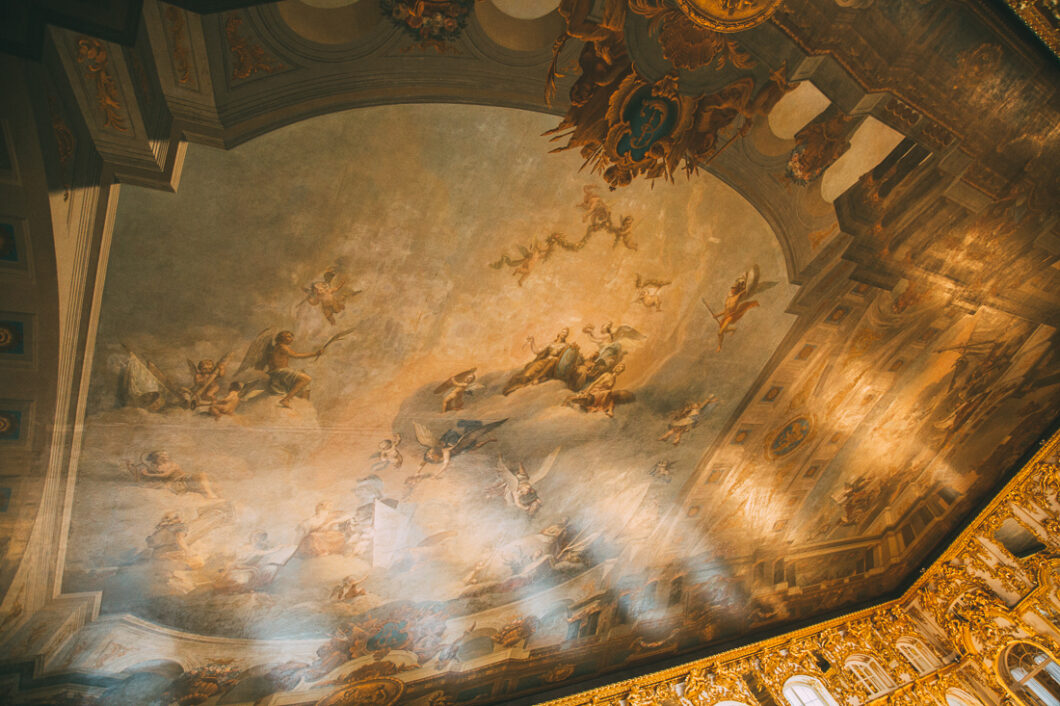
(979, 627)
(476, 352)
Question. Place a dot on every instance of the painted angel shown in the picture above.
(648, 292)
(206, 380)
(326, 293)
(468, 436)
(663, 471)
(273, 353)
(686, 419)
(226, 406)
(519, 488)
(387, 454)
(456, 387)
(159, 469)
(600, 395)
(348, 589)
(529, 259)
(739, 301)
(597, 213)
(609, 339)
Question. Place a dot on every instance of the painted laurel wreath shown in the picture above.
(430, 20)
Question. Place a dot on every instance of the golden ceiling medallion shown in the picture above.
(729, 15)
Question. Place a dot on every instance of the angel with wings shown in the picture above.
(529, 259)
(387, 455)
(226, 406)
(739, 301)
(609, 340)
(648, 292)
(456, 387)
(686, 419)
(597, 213)
(519, 488)
(468, 436)
(328, 295)
(273, 353)
(206, 380)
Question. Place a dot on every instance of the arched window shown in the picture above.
(869, 674)
(807, 691)
(918, 654)
(1032, 675)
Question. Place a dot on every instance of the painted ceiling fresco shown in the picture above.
(445, 404)
(517, 372)
(398, 387)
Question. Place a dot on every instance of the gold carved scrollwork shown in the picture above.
(719, 682)
(687, 44)
(626, 126)
(94, 58)
(729, 15)
(178, 41)
(1010, 579)
(247, 58)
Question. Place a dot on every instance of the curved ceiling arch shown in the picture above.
(274, 101)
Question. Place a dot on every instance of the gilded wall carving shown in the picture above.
(94, 58)
(248, 57)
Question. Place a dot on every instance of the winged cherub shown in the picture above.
(686, 419)
(387, 454)
(468, 436)
(739, 301)
(519, 488)
(456, 387)
(531, 257)
(648, 291)
(327, 294)
(226, 406)
(206, 380)
(597, 213)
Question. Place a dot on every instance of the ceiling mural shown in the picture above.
(595, 334)
(433, 377)
(405, 388)
(426, 407)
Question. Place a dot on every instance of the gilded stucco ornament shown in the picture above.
(729, 15)
(94, 58)
(627, 126)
